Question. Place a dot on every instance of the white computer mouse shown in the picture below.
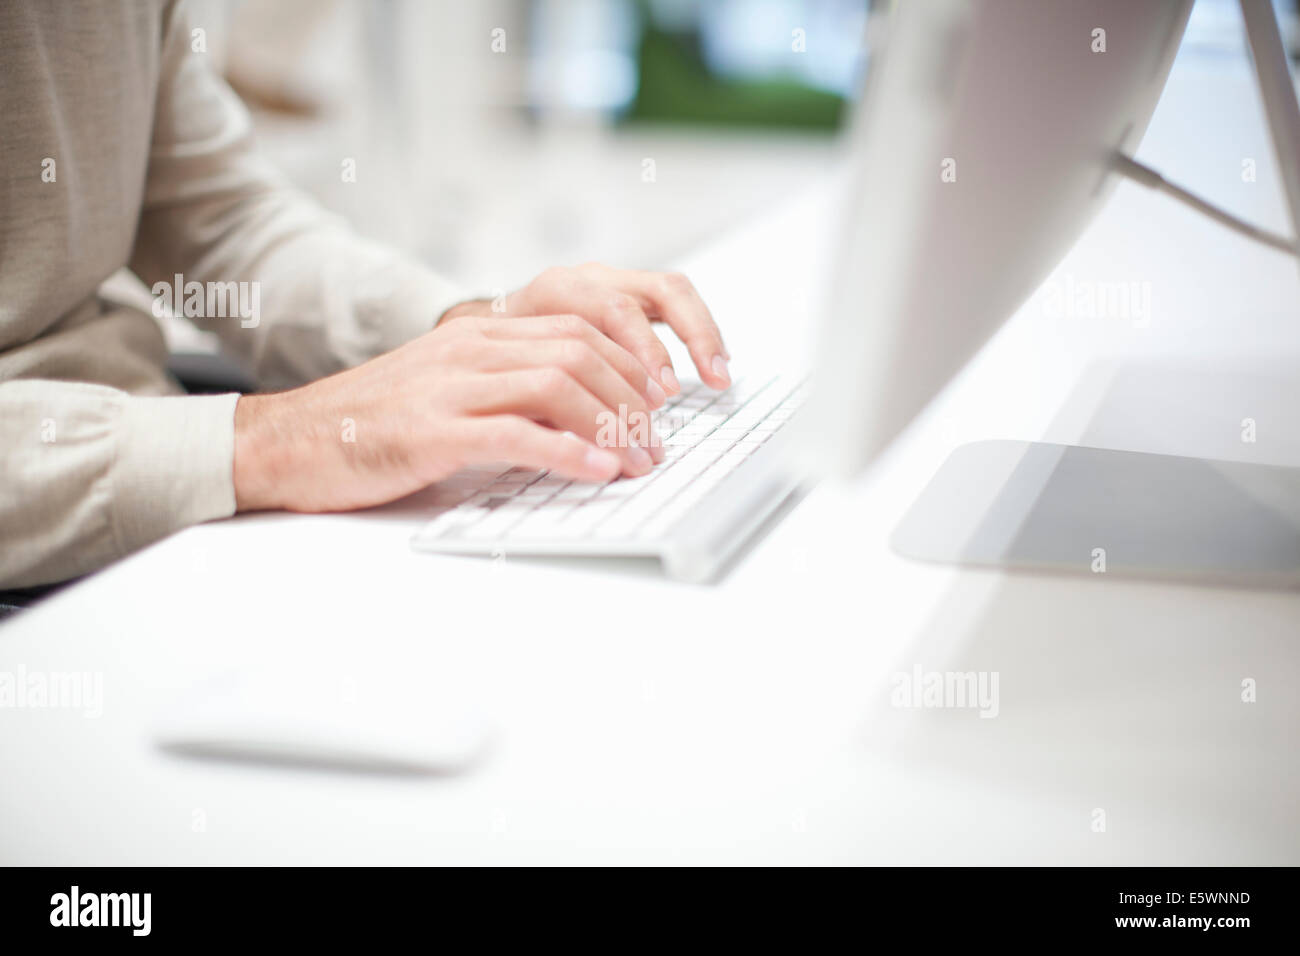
(331, 717)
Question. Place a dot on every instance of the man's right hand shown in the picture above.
(533, 392)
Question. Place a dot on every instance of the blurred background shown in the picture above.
(496, 137)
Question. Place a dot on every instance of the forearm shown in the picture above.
(307, 449)
(290, 449)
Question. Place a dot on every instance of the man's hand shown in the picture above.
(620, 303)
(533, 391)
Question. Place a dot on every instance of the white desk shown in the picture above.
(642, 721)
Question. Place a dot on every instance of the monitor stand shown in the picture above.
(1277, 93)
(1122, 513)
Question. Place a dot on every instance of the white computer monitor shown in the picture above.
(981, 147)
(990, 133)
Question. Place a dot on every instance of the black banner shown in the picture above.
(1160, 906)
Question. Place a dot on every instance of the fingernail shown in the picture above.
(720, 369)
(654, 393)
(605, 462)
(670, 380)
(639, 459)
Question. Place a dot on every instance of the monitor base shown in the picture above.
(1109, 513)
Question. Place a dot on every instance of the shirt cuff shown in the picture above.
(416, 306)
(174, 465)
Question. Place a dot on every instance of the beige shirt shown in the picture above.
(120, 147)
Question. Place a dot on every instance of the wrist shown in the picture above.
(256, 465)
(469, 307)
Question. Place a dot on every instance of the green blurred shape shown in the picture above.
(676, 86)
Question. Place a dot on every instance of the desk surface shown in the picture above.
(638, 720)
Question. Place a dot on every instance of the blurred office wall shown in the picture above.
(496, 137)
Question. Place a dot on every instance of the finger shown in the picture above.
(578, 328)
(552, 396)
(672, 297)
(589, 368)
(612, 312)
(514, 439)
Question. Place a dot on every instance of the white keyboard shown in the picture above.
(706, 436)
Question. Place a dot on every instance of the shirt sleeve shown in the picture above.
(216, 211)
(93, 473)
